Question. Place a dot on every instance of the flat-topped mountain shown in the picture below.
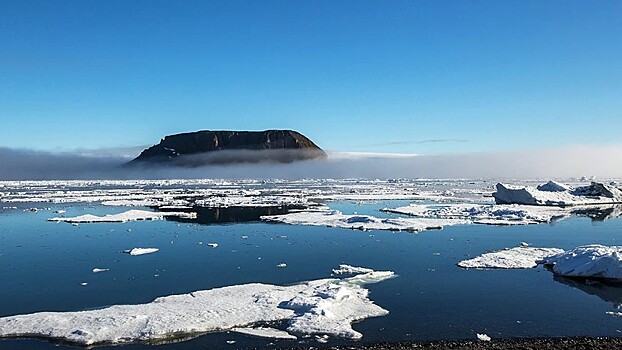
(221, 147)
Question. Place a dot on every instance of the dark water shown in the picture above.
(42, 265)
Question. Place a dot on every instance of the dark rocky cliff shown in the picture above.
(221, 147)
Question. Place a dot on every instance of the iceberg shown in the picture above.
(552, 194)
(324, 307)
(590, 261)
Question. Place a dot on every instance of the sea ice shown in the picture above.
(511, 258)
(325, 306)
(483, 337)
(140, 251)
(484, 213)
(98, 270)
(361, 222)
(130, 215)
(596, 193)
(347, 270)
(593, 261)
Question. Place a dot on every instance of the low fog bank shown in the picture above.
(576, 161)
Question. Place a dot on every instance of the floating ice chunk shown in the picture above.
(83, 284)
(98, 270)
(60, 211)
(593, 261)
(596, 193)
(614, 314)
(140, 251)
(485, 214)
(265, 332)
(361, 222)
(325, 306)
(347, 270)
(213, 245)
(483, 337)
(281, 265)
(130, 215)
(512, 258)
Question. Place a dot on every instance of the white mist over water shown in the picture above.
(562, 162)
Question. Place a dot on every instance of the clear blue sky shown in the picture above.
(352, 75)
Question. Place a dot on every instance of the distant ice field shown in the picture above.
(49, 266)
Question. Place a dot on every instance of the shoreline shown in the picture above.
(575, 343)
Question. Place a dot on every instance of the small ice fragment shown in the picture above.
(140, 251)
(230, 341)
(213, 245)
(83, 284)
(321, 338)
(483, 337)
(244, 237)
(75, 224)
(281, 265)
(524, 244)
(97, 270)
(60, 211)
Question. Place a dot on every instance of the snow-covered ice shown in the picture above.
(140, 251)
(512, 258)
(483, 337)
(324, 306)
(130, 215)
(590, 261)
(485, 213)
(551, 194)
(347, 269)
(361, 222)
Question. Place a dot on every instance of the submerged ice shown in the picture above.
(324, 306)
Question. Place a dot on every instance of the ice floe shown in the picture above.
(590, 261)
(335, 218)
(324, 306)
(265, 332)
(484, 213)
(554, 194)
(347, 269)
(141, 251)
(511, 258)
(98, 270)
(130, 215)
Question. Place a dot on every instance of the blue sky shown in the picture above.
(367, 76)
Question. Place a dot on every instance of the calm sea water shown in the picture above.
(42, 266)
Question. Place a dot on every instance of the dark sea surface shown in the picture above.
(42, 266)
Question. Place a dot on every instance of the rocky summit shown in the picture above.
(223, 147)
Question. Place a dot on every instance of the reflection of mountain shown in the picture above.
(600, 213)
(607, 291)
(208, 216)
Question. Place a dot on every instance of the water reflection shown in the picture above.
(610, 292)
(600, 213)
(207, 216)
